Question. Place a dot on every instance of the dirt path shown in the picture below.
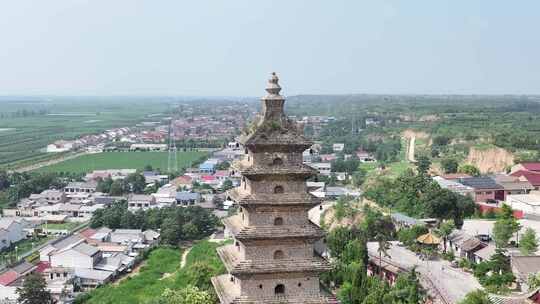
(184, 257)
(410, 149)
(49, 162)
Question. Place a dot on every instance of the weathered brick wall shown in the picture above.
(300, 250)
(267, 217)
(264, 287)
(269, 158)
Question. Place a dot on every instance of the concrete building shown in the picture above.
(272, 257)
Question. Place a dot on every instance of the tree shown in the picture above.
(449, 165)
(476, 297)
(502, 232)
(136, 182)
(4, 180)
(227, 184)
(505, 226)
(170, 231)
(423, 163)
(33, 291)
(117, 188)
(529, 242)
(359, 177)
(354, 289)
(407, 290)
(469, 169)
(445, 229)
(104, 185)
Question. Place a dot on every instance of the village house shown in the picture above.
(148, 147)
(531, 167)
(323, 168)
(403, 221)
(185, 198)
(512, 185)
(485, 188)
(183, 181)
(53, 196)
(523, 267)
(209, 166)
(60, 146)
(151, 177)
(532, 177)
(141, 201)
(464, 245)
(15, 275)
(338, 147)
(12, 230)
(454, 186)
(74, 187)
(365, 157)
(529, 204)
(114, 174)
(81, 255)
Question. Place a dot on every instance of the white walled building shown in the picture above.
(528, 203)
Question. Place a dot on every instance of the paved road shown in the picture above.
(452, 283)
(316, 212)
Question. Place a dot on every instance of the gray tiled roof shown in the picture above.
(86, 249)
(186, 196)
(480, 182)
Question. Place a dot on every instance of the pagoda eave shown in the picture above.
(309, 232)
(235, 266)
(307, 200)
(276, 172)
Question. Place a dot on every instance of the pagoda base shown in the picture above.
(229, 293)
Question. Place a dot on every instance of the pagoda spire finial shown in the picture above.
(273, 87)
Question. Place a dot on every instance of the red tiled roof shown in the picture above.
(208, 178)
(8, 277)
(41, 266)
(222, 173)
(532, 177)
(183, 178)
(88, 232)
(531, 166)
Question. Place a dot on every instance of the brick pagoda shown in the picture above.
(272, 259)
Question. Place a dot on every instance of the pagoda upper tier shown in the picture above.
(273, 130)
(307, 231)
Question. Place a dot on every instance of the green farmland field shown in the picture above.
(160, 271)
(28, 125)
(123, 160)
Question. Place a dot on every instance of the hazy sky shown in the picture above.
(228, 47)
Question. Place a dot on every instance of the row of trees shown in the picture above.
(15, 186)
(417, 195)
(176, 223)
(132, 183)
